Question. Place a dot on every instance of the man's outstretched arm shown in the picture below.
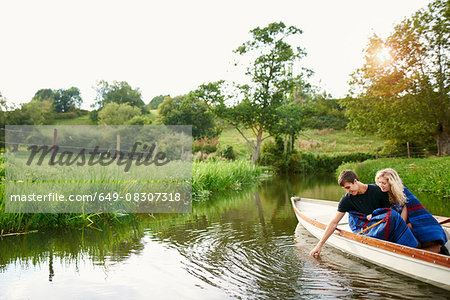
(328, 232)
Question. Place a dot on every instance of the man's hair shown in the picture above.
(347, 176)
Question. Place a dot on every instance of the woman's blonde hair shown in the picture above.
(396, 194)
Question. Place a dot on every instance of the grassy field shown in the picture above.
(327, 141)
(81, 120)
(330, 141)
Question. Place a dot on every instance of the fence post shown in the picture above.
(117, 146)
(55, 135)
(376, 157)
(390, 152)
(407, 146)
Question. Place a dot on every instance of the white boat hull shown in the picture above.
(423, 265)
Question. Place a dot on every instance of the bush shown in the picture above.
(2, 166)
(272, 153)
(228, 153)
(66, 115)
(93, 115)
(205, 145)
(140, 120)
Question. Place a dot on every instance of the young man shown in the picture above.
(360, 197)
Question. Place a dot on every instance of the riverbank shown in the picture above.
(424, 175)
(208, 178)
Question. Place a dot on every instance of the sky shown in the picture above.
(173, 46)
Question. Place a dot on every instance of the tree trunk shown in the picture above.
(258, 146)
(256, 151)
(442, 141)
(292, 143)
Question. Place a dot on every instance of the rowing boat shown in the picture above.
(423, 265)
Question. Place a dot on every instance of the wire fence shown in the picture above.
(112, 149)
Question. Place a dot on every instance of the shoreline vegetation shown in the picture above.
(208, 178)
(215, 175)
(424, 175)
(427, 178)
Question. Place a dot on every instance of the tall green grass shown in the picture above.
(430, 175)
(213, 177)
(207, 178)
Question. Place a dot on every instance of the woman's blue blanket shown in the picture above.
(392, 229)
(424, 225)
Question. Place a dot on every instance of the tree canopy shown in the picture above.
(189, 110)
(273, 73)
(402, 91)
(117, 114)
(118, 92)
(156, 101)
(63, 100)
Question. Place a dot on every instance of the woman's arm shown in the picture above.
(404, 213)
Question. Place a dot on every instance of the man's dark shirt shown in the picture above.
(365, 203)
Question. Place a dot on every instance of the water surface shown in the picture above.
(247, 245)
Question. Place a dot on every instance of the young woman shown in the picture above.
(426, 229)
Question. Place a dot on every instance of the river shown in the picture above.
(245, 245)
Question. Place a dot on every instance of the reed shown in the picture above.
(208, 178)
(213, 177)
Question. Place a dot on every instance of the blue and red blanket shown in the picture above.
(392, 229)
(424, 225)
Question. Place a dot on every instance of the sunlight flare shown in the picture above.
(383, 55)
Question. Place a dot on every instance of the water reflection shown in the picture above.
(246, 245)
(71, 246)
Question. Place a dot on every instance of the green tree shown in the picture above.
(62, 100)
(156, 101)
(3, 109)
(36, 113)
(117, 114)
(189, 110)
(274, 59)
(140, 120)
(404, 95)
(44, 94)
(66, 100)
(321, 112)
(289, 122)
(118, 92)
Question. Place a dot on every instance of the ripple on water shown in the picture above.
(261, 264)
